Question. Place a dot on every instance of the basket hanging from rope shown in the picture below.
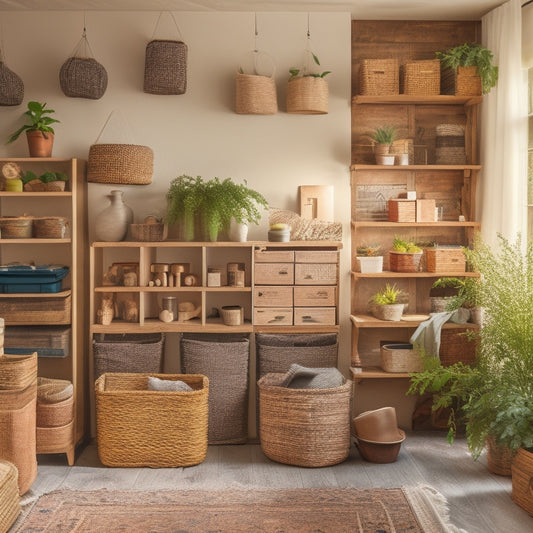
(11, 86)
(83, 77)
(165, 65)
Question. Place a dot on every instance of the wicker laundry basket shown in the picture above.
(304, 427)
(9, 495)
(224, 359)
(165, 67)
(11, 87)
(255, 95)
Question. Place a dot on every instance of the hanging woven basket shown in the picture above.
(11, 87)
(83, 77)
(255, 95)
(307, 95)
(165, 67)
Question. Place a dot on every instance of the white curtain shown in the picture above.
(503, 183)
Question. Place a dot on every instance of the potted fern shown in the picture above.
(383, 137)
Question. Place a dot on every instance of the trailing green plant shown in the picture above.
(39, 121)
(472, 55)
(405, 245)
(384, 135)
(368, 250)
(296, 72)
(390, 294)
(467, 291)
(47, 177)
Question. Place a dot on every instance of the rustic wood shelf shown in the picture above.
(405, 99)
(389, 274)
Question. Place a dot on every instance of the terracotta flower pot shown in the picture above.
(39, 145)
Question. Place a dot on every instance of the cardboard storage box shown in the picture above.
(312, 296)
(273, 316)
(315, 273)
(273, 296)
(425, 210)
(274, 274)
(314, 316)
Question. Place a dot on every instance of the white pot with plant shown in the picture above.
(383, 137)
(386, 305)
(369, 258)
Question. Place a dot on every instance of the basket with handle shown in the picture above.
(11, 85)
(379, 77)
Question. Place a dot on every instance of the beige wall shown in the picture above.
(197, 133)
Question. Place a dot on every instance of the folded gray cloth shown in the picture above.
(427, 335)
(301, 377)
(167, 385)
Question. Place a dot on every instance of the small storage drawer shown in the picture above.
(273, 316)
(315, 273)
(274, 274)
(36, 310)
(314, 315)
(316, 256)
(274, 256)
(312, 296)
(274, 296)
(47, 341)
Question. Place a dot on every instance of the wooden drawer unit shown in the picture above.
(274, 256)
(315, 274)
(316, 256)
(273, 296)
(273, 316)
(274, 274)
(314, 315)
(315, 296)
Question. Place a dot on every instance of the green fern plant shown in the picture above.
(383, 135)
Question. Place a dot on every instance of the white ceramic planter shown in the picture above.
(369, 265)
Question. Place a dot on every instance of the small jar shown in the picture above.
(170, 304)
(214, 277)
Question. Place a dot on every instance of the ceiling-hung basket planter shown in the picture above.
(81, 76)
(165, 65)
(119, 163)
(11, 85)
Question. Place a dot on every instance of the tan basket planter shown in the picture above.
(522, 479)
(255, 95)
(392, 312)
(307, 95)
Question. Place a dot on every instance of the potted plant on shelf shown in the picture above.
(370, 259)
(463, 64)
(386, 305)
(307, 90)
(206, 208)
(405, 255)
(48, 181)
(39, 132)
(383, 137)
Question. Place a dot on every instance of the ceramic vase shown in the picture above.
(238, 231)
(112, 223)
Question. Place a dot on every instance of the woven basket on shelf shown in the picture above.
(43, 311)
(304, 427)
(404, 262)
(17, 431)
(379, 77)
(9, 495)
(499, 458)
(255, 95)
(463, 81)
(400, 358)
(17, 371)
(450, 144)
(455, 347)
(165, 67)
(307, 95)
(51, 228)
(11, 86)
(16, 227)
(148, 232)
(56, 439)
(51, 415)
(522, 479)
(136, 427)
(83, 77)
(420, 77)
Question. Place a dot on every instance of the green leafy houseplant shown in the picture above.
(296, 72)
(213, 203)
(404, 245)
(39, 121)
(387, 304)
(472, 55)
(46, 177)
(369, 250)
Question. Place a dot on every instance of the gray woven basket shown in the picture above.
(224, 360)
(11, 87)
(83, 77)
(165, 67)
(128, 353)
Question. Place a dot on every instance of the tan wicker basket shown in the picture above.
(499, 458)
(456, 347)
(450, 260)
(39, 186)
(17, 371)
(57, 439)
(304, 427)
(379, 77)
(400, 358)
(51, 228)
(404, 262)
(9, 495)
(16, 227)
(255, 95)
(465, 81)
(136, 427)
(148, 232)
(307, 95)
(123, 164)
(46, 310)
(420, 77)
(51, 415)
(522, 480)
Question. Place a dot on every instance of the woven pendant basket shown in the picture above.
(255, 95)
(307, 96)
(165, 67)
(11, 86)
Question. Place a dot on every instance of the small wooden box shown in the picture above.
(315, 273)
(273, 296)
(274, 274)
(314, 315)
(274, 256)
(273, 316)
(402, 210)
(313, 296)
(316, 256)
(425, 210)
(450, 259)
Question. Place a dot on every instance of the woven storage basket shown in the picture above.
(39, 186)
(451, 260)
(148, 232)
(51, 228)
(38, 311)
(47, 341)
(17, 371)
(165, 67)
(83, 77)
(456, 347)
(255, 95)
(404, 262)
(9, 495)
(499, 458)
(420, 77)
(307, 95)
(450, 144)
(224, 359)
(128, 353)
(465, 81)
(55, 439)
(400, 358)
(136, 427)
(17, 432)
(392, 312)
(51, 415)
(11, 87)
(304, 427)
(522, 479)
(379, 77)
(16, 227)
(123, 164)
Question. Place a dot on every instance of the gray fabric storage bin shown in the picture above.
(128, 352)
(224, 359)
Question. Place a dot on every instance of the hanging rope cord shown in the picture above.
(259, 56)
(159, 20)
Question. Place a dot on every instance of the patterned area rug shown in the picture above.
(398, 510)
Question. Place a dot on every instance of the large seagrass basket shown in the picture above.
(83, 77)
(165, 67)
(255, 95)
(17, 371)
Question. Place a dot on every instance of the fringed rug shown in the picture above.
(398, 510)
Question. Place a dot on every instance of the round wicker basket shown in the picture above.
(307, 95)
(255, 95)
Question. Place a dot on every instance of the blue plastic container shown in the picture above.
(31, 279)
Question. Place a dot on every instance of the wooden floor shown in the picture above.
(479, 501)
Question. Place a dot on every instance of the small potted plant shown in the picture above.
(383, 137)
(405, 255)
(462, 64)
(370, 259)
(386, 305)
(39, 132)
(307, 90)
(48, 181)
